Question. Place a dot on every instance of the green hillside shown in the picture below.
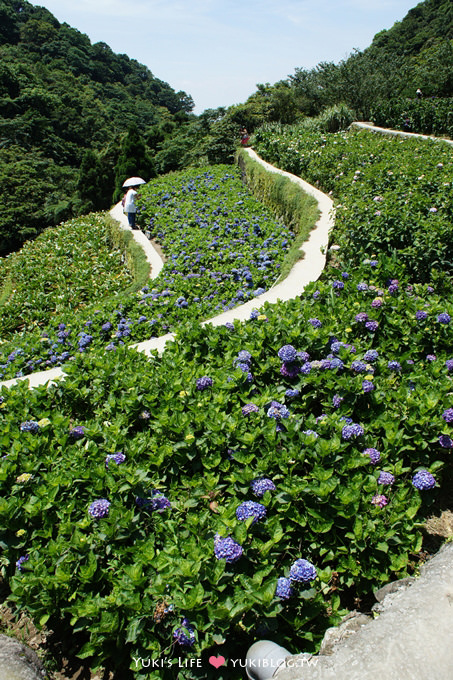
(61, 96)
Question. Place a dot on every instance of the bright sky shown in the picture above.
(218, 50)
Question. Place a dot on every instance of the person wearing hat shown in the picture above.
(130, 207)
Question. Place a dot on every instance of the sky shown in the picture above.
(217, 51)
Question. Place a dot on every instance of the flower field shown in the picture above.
(255, 481)
(223, 247)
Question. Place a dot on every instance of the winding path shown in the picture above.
(303, 272)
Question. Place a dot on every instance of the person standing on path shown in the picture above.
(130, 207)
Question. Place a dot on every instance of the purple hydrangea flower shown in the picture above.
(99, 508)
(367, 386)
(358, 366)
(250, 509)
(352, 430)
(30, 426)
(431, 357)
(443, 318)
(284, 590)
(372, 326)
(204, 383)
(261, 485)
(117, 458)
(447, 415)
(374, 454)
(361, 317)
(394, 366)
(249, 408)
(290, 369)
(305, 368)
(423, 480)
(292, 393)
(302, 571)
(159, 501)
(244, 356)
(449, 365)
(107, 326)
(316, 323)
(377, 302)
(338, 285)
(445, 441)
(227, 549)
(185, 634)
(385, 478)
(287, 353)
(362, 287)
(380, 500)
(371, 355)
(77, 432)
(20, 562)
(421, 315)
(336, 400)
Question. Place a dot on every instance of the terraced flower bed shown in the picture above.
(255, 481)
(222, 246)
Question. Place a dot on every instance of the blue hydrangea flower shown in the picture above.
(159, 501)
(20, 562)
(204, 383)
(302, 571)
(316, 323)
(338, 285)
(77, 432)
(336, 400)
(99, 508)
(374, 455)
(385, 478)
(372, 326)
(250, 509)
(362, 287)
(284, 590)
(227, 549)
(30, 426)
(443, 318)
(310, 432)
(117, 458)
(421, 315)
(244, 356)
(287, 353)
(358, 366)
(277, 411)
(423, 480)
(185, 634)
(352, 430)
(394, 366)
(249, 408)
(367, 386)
(292, 393)
(445, 441)
(261, 485)
(449, 365)
(371, 355)
(447, 415)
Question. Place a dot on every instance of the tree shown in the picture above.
(134, 160)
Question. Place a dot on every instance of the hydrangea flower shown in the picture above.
(249, 408)
(338, 285)
(302, 571)
(20, 561)
(358, 366)
(77, 432)
(380, 500)
(284, 590)
(352, 430)
(394, 366)
(421, 315)
(372, 326)
(24, 477)
(159, 501)
(292, 393)
(185, 634)
(385, 478)
(287, 353)
(367, 386)
(261, 485)
(316, 323)
(250, 509)
(447, 415)
(423, 480)
(244, 356)
(117, 458)
(371, 355)
(290, 369)
(361, 317)
(227, 549)
(374, 455)
(336, 400)
(99, 508)
(30, 426)
(277, 411)
(444, 318)
(449, 365)
(204, 383)
(445, 441)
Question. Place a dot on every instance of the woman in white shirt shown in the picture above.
(130, 207)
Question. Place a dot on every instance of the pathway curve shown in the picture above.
(303, 272)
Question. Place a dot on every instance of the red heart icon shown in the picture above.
(216, 661)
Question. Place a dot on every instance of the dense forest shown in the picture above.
(71, 111)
